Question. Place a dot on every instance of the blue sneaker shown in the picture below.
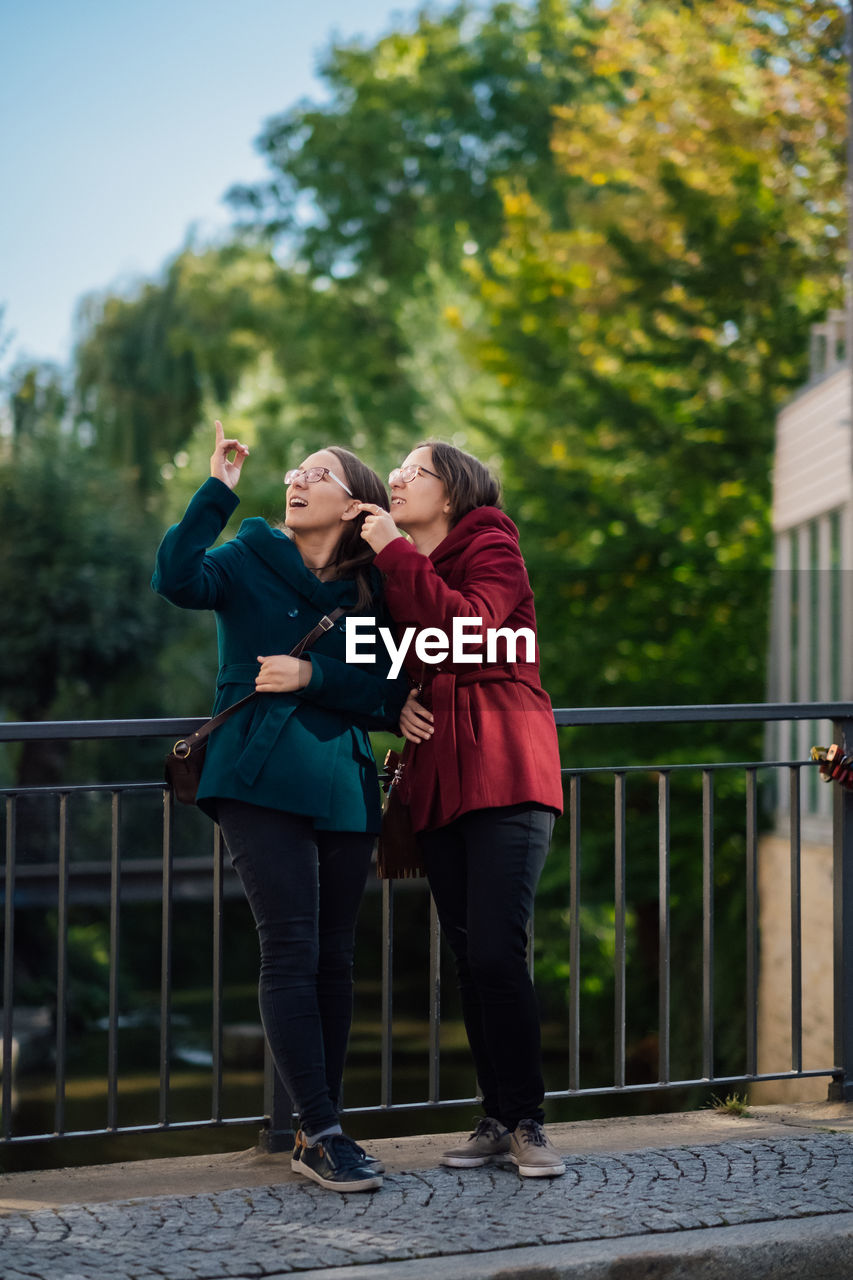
(335, 1162)
(372, 1162)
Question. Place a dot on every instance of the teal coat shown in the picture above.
(306, 752)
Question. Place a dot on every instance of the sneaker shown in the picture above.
(373, 1162)
(335, 1163)
(488, 1141)
(533, 1153)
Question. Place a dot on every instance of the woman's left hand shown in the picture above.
(378, 528)
(282, 674)
(416, 721)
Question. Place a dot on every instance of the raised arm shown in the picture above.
(185, 572)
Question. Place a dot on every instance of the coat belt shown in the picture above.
(264, 737)
(441, 690)
(237, 673)
(267, 724)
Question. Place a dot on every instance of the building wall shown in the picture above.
(774, 981)
(811, 471)
(811, 659)
(811, 643)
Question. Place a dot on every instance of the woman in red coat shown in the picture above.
(483, 779)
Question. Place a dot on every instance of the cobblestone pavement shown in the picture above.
(296, 1226)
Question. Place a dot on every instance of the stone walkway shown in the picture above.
(619, 1186)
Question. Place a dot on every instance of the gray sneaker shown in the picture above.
(488, 1141)
(533, 1153)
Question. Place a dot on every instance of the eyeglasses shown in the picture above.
(405, 475)
(312, 475)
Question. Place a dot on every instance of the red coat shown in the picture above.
(494, 740)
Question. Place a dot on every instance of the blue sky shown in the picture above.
(123, 124)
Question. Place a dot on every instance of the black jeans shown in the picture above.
(483, 870)
(304, 888)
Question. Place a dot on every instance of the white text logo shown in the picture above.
(432, 645)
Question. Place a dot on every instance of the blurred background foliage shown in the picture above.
(583, 241)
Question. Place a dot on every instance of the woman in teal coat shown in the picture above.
(291, 777)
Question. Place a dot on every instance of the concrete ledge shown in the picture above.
(806, 1249)
(704, 1195)
(197, 1175)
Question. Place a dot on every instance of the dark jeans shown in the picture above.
(304, 888)
(483, 870)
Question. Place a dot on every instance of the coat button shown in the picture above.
(293, 613)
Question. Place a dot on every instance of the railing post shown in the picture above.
(9, 965)
(752, 953)
(841, 1087)
(166, 958)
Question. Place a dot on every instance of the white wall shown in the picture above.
(812, 466)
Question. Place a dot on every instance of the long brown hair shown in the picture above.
(469, 483)
(353, 558)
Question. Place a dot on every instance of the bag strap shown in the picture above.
(183, 748)
(325, 624)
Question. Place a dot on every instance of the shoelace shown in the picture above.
(533, 1133)
(344, 1152)
(486, 1128)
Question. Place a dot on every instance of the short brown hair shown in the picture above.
(469, 483)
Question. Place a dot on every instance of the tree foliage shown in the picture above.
(145, 362)
(650, 341)
(74, 573)
(400, 167)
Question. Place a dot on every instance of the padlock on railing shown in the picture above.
(834, 765)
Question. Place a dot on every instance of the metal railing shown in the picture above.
(23, 883)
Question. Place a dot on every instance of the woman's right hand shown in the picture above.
(220, 467)
(415, 720)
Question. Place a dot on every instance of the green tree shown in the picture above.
(648, 344)
(646, 339)
(145, 363)
(398, 169)
(77, 616)
(38, 400)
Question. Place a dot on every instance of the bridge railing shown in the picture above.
(173, 872)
